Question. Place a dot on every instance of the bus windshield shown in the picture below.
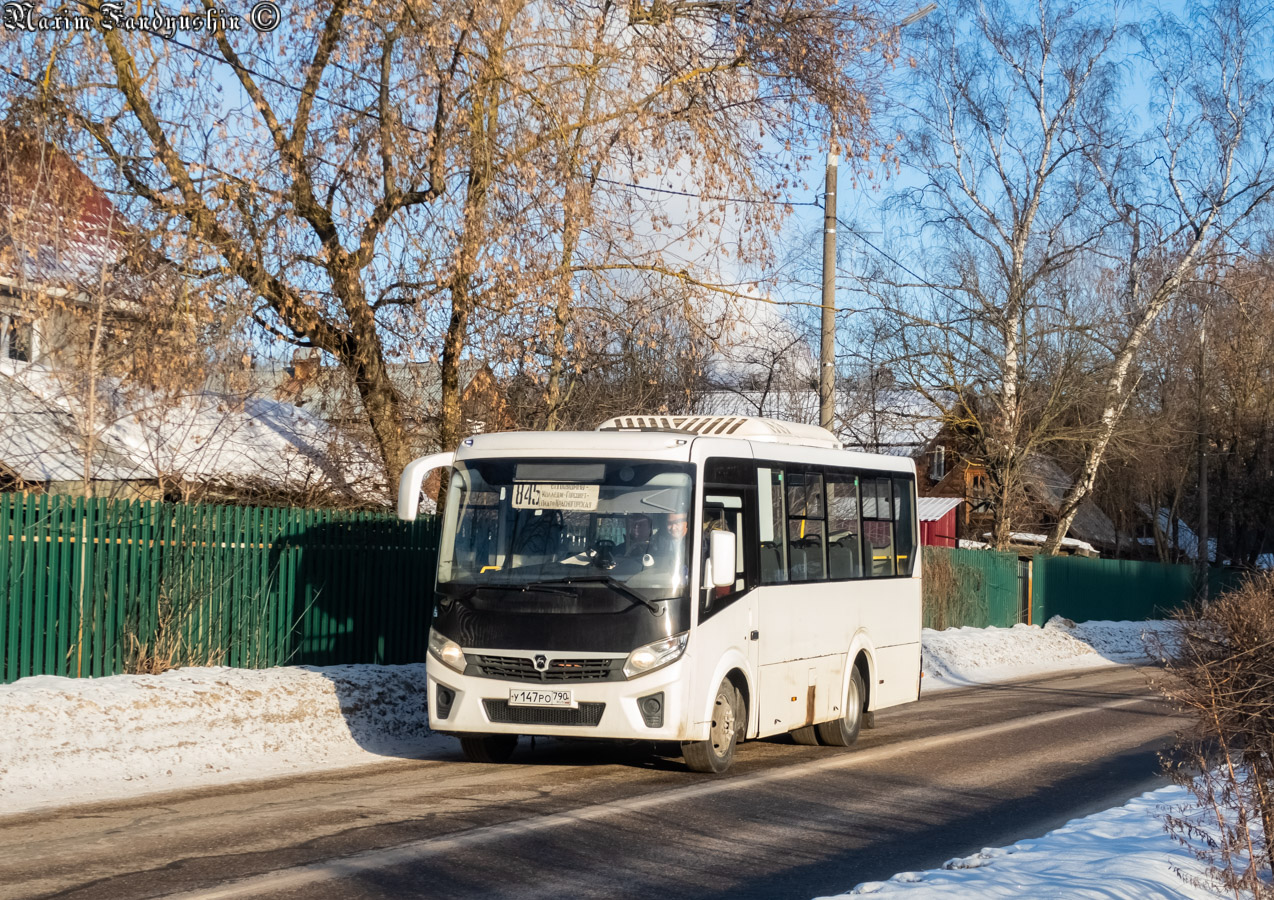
(558, 525)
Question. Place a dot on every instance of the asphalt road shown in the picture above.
(941, 778)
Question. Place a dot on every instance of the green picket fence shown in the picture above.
(101, 587)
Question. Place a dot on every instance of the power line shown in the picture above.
(757, 200)
(920, 278)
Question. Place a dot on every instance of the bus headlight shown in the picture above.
(447, 651)
(655, 655)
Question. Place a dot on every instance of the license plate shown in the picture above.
(534, 697)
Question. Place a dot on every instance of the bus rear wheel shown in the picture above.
(716, 753)
(488, 748)
(843, 732)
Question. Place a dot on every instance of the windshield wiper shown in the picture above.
(613, 583)
(542, 587)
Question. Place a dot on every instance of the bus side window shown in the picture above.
(805, 531)
(844, 528)
(878, 527)
(772, 524)
(904, 526)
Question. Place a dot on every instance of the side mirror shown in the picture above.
(722, 548)
(413, 477)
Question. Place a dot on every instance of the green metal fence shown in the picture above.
(1121, 589)
(984, 587)
(100, 587)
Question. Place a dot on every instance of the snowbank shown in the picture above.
(68, 740)
(1119, 854)
(959, 657)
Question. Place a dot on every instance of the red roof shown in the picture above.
(57, 228)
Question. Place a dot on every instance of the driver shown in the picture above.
(636, 537)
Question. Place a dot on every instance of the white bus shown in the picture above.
(698, 579)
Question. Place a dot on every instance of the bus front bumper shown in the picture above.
(610, 710)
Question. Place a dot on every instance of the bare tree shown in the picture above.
(382, 177)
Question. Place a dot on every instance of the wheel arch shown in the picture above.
(861, 656)
(733, 667)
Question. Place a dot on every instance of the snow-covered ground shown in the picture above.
(1119, 854)
(66, 741)
(960, 657)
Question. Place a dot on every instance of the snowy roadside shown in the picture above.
(1120, 854)
(961, 657)
(67, 741)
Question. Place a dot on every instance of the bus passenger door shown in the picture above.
(729, 613)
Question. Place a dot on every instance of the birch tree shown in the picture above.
(1182, 192)
(994, 134)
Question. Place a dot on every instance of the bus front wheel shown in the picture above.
(488, 748)
(716, 753)
(843, 732)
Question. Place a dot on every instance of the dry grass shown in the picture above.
(952, 593)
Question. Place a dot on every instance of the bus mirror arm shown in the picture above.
(722, 548)
(412, 479)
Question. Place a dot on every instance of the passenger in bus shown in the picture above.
(675, 529)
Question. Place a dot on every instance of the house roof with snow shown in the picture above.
(201, 437)
(330, 392)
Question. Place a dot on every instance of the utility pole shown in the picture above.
(827, 348)
(1201, 536)
(827, 354)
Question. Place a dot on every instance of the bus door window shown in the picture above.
(772, 525)
(904, 527)
(723, 512)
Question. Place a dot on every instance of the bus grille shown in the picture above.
(519, 668)
(588, 714)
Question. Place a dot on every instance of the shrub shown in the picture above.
(1221, 676)
(952, 592)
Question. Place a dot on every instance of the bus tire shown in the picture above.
(806, 736)
(716, 753)
(843, 732)
(488, 748)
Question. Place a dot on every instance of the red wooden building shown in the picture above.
(938, 521)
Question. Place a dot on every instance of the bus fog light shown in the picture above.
(655, 655)
(443, 698)
(652, 709)
(447, 651)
